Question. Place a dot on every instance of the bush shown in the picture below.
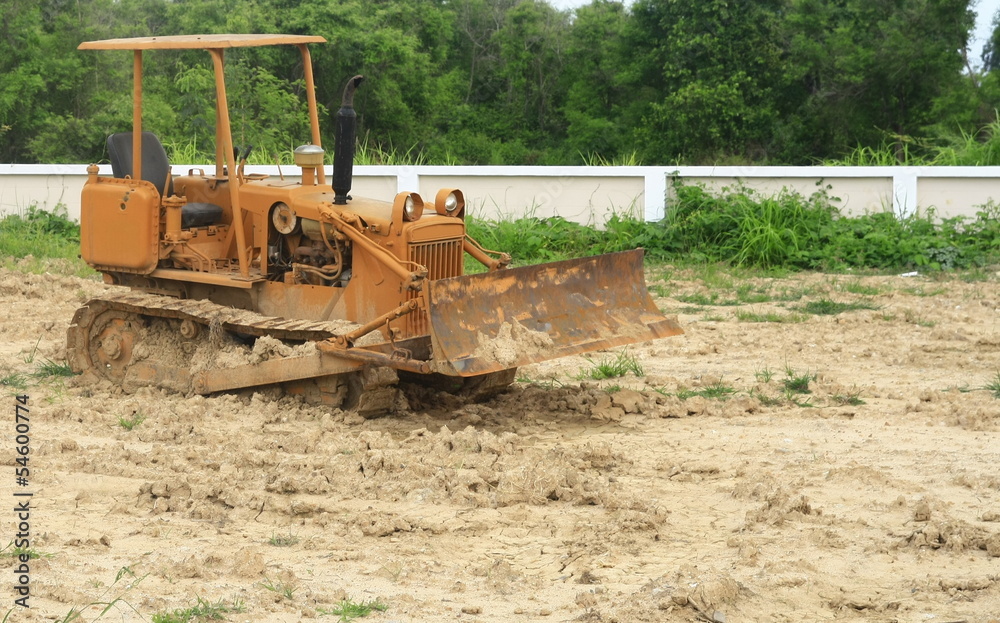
(40, 233)
(741, 227)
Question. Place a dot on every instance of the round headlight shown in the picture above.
(413, 207)
(449, 202)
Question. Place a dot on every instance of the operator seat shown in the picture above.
(156, 170)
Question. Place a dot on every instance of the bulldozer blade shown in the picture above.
(503, 319)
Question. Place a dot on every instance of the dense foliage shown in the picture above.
(518, 81)
(741, 227)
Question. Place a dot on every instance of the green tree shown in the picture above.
(596, 88)
(991, 51)
(861, 68)
(706, 77)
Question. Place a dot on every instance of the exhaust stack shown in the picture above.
(344, 139)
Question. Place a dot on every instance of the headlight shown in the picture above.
(449, 202)
(409, 204)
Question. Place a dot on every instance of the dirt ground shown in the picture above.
(876, 497)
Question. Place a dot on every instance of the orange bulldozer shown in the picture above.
(239, 280)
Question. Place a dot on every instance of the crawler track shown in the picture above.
(106, 331)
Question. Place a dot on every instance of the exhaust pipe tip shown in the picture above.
(344, 138)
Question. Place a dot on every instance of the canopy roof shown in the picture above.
(198, 42)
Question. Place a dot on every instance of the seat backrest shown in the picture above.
(155, 166)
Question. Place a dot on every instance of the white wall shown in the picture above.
(587, 194)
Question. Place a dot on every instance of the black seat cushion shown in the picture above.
(155, 166)
(200, 215)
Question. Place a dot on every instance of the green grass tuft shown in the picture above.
(797, 383)
(752, 316)
(767, 401)
(852, 399)
(994, 385)
(49, 369)
(826, 307)
(764, 375)
(283, 540)
(128, 423)
(15, 381)
(621, 365)
(348, 610)
(920, 291)
(203, 610)
(286, 591)
(856, 287)
(9, 551)
(717, 391)
(912, 317)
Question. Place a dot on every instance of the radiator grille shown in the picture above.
(442, 258)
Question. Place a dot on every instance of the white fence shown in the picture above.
(587, 195)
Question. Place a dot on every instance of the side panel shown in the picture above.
(119, 225)
(302, 302)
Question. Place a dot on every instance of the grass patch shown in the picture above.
(348, 610)
(714, 318)
(920, 291)
(790, 295)
(128, 423)
(282, 540)
(912, 317)
(608, 368)
(717, 391)
(764, 399)
(751, 316)
(38, 241)
(861, 289)
(687, 309)
(286, 591)
(749, 293)
(826, 307)
(976, 274)
(9, 551)
(202, 610)
(994, 385)
(764, 375)
(797, 383)
(704, 300)
(51, 369)
(659, 290)
(15, 381)
(852, 399)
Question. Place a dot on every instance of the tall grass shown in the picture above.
(49, 238)
(743, 228)
(630, 159)
(739, 225)
(980, 148)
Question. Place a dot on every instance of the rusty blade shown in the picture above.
(493, 321)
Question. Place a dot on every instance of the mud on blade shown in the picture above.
(493, 321)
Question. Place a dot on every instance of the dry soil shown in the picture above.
(875, 497)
